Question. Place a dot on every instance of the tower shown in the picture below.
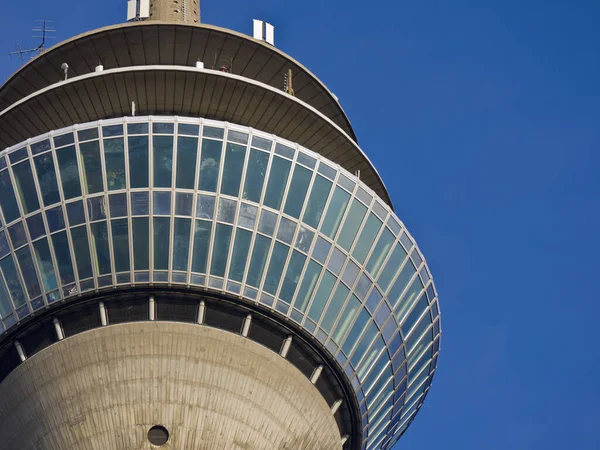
(192, 257)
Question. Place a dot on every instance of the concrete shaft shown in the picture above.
(179, 11)
(213, 390)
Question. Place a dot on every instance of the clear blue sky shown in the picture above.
(483, 119)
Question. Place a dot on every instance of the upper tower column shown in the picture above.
(176, 11)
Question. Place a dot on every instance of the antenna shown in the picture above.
(42, 29)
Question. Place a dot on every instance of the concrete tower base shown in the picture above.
(212, 390)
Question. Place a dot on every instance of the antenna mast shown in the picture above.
(43, 29)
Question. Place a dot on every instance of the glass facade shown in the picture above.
(138, 201)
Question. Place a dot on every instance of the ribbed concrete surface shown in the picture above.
(178, 11)
(103, 389)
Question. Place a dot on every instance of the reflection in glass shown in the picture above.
(162, 240)
(227, 209)
(297, 191)
(316, 201)
(220, 250)
(96, 208)
(335, 212)
(202, 234)
(162, 160)
(8, 202)
(267, 222)
(100, 248)
(334, 308)
(5, 304)
(351, 225)
(355, 331)
(292, 275)
(181, 243)
(17, 234)
(44, 166)
(390, 269)
(69, 172)
(235, 155)
(187, 153)
(321, 296)
(255, 175)
(241, 250)
(366, 239)
(162, 203)
(13, 282)
(304, 239)
(205, 207)
(60, 243)
(276, 265)
(258, 260)
(401, 283)
(209, 165)
(26, 187)
(75, 213)
(4, 247)
(382, 248)
(286, 230)
(138, 161)
(82, 252)
(280, 169)
(29, 273)
(118, 205)
(183, 203)
(35, 224)
(308, 285)
(114, 158)
(140, 226)
(120, 236)
(92, 167)
(247, 216)
(411, 319)
(408, 299)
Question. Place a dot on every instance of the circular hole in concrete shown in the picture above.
(158, 435)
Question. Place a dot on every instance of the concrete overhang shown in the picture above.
(163, 43)
(185, 91)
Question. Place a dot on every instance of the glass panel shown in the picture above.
(137, 128)
(44, 166)
(258, 260)
(232, 169)
(140, 203)
(162, 160)
(321, 296)
(75, 213)
(261, 143)
(237, 136)
(292, 275)
(162, 240)
(139, 166)
(201, 245)
(69, 172)
(355, 332)
(286, 230)
(4, 248)
(63, 257)
(321, 250)
(5, 304)
(380, 252)
(92, 167)
(184, 203)
(409, 298)
(8, 202)
(297, 191)
(401, 283)
(114, 158)
(26, 187)
(120, 235)
(352, 224)
(96, 208)
(118, 205)
(255, 175)
(100, 248)
(162, 203)
(112, 130)
(227, 209)
(241, 250)
(205, 207)
(366, 239)
(390, 269)
(41, 146)
(409, 322)
(308, 285)
(187, 152)
(308, 161)
(335, 306)
(280, 169)
(181, 244)
(335, 212)
(164, 128)
(82, 252)
(316, 202)
(189, 129)
(284, 150)
(304, 239)
(213, 132)
(247, 216)
(360, 352)
(29, 273)
(13, 282)
(267, 222)
(278, 257)
(209, 165)
(35, 224)
(220, 250)
(141, 243)
(17, 235)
